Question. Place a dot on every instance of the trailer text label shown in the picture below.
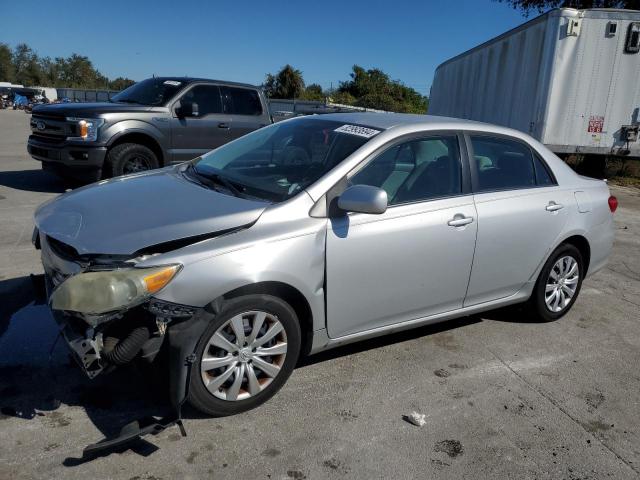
(596, 124)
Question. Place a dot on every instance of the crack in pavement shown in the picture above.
(553, 402)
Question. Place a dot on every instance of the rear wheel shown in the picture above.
(559, 284)
(128, 158)
(245, 355)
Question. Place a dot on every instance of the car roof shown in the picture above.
(385, 121)
(188, 80)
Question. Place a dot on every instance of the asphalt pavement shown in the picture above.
(503, 397)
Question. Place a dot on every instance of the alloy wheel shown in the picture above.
(135, 164)
(244, 356)
(561, 284)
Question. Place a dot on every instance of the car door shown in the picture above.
(413, 260)
(245, 108)
(192, 136)
(521, 212)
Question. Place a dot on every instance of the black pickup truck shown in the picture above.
(153, 123)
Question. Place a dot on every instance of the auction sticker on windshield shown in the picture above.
(357, 130)
(173, 83)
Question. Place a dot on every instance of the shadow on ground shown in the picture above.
(33, 181)
(34, 383)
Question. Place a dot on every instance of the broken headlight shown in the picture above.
(99, 292)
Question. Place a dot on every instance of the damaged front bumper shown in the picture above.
(100, 342)
(91, 345)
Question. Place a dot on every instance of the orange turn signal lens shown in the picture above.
(83, 128)
(159, 279)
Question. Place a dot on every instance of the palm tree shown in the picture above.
(287, 83)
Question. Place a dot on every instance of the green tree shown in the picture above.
(527, 6)
(313, 92)
(374, 89)
(23, 65)
(79, 73)
(120, 83)
(26, 65)
(287, 83)
(6, 63)
(343, 98)
(53, 71)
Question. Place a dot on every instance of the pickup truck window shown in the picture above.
(241, 101)
(152, 92)
(277, 162)
(207, 97)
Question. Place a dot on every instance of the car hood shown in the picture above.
(125, 215)
(90, 109)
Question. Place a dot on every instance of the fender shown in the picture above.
(161, 135)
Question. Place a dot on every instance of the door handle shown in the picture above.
(553, 206)
(459, 220)
(223, 125)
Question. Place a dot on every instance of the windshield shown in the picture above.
(152, 92)
(276, 162)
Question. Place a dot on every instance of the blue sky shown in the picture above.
(243, 40)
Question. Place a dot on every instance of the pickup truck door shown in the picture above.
(192, 136)
(246, 110)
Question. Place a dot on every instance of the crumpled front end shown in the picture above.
(104, 305)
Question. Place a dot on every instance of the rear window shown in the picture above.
(241, 101)
(502, 164)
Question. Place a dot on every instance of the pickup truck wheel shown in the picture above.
(129, 158)
(245, 355)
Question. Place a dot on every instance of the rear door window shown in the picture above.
(502, 164)
(543, 175)
(207, 97)
(241, 101)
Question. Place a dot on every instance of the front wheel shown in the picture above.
(128, 158)
(559, 283)
(245, 355)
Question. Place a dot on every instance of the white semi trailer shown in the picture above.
(570, 78)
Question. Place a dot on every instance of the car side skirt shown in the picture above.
(321, 340)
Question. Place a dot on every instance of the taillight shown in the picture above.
(613, 203)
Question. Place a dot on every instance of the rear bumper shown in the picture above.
(601, 243)
(70, 158)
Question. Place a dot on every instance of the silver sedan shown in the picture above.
(313, 233)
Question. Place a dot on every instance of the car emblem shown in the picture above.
(40, 125)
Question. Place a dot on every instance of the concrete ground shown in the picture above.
(504, 398)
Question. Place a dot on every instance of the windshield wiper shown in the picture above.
(219, 179)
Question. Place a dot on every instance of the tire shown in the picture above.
(538, 302)
(128, 158)
(220, 401)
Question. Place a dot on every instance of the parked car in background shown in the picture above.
(311, 233)
(154, 123)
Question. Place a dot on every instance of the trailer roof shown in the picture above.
(614, 13)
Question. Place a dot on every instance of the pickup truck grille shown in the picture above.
(51, 129)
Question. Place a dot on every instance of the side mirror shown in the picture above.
(363, 199)
(187, 109)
